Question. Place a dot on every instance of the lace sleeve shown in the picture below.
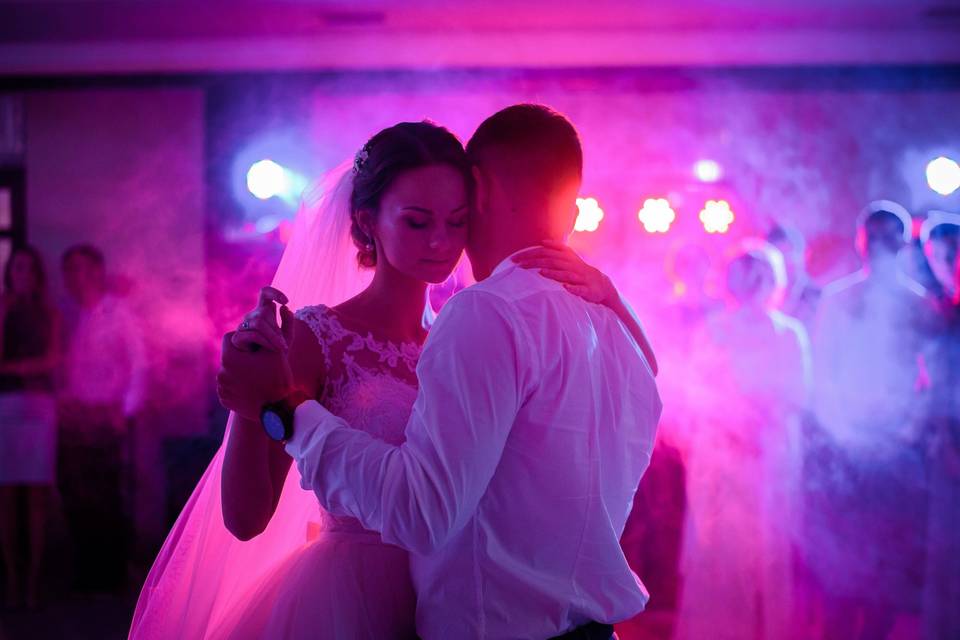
(327, 332)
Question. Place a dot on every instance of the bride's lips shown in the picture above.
(439, 261)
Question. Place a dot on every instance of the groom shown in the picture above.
(534, 422)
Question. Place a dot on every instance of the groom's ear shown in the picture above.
(481, 189)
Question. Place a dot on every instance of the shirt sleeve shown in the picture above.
(474, 378)
(646, 349)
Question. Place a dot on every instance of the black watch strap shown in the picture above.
(277, 417)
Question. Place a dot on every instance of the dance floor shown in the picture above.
(105, 617)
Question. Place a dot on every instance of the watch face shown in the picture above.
(273, 424)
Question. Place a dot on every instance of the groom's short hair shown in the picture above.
(539, 141)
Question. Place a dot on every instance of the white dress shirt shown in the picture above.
(106, 361)
(535, 420)
(868, 348)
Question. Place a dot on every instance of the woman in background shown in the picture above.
(28, 356)
(743, 461)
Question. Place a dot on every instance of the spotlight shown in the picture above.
(707, 170)
(589, 214)
(656, 215)
(267, 179)
(943, 175)
(716, 216)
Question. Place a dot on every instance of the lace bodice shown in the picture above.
(370, 383)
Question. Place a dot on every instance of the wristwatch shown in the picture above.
(277, 417)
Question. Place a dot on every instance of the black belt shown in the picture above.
(591, 631)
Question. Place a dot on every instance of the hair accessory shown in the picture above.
(360, 158)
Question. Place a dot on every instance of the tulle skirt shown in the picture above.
(340, 586)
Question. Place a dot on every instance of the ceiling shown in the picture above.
(40, 37)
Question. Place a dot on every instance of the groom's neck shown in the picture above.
(502, 248)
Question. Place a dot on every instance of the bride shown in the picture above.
(253, 555)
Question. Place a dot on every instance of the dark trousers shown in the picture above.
(92, 476)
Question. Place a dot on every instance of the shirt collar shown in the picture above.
(508, 261)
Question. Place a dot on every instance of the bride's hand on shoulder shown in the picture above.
(557, 261)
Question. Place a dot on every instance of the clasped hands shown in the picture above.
(254, 369)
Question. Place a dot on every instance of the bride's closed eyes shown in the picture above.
(420, 217)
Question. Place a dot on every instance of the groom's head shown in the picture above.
(528, 164)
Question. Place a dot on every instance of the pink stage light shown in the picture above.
(716, 216)
(285, 231)
(589, 215)
(657, 215)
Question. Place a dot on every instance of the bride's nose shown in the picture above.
(439, 239)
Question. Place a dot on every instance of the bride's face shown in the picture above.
(421, 228)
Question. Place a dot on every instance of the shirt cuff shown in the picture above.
(308, 417)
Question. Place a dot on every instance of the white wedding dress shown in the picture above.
(344, 583)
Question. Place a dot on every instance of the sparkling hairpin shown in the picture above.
(360, 159)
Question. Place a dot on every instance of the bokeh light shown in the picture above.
(716, 216)
(267, 179)
(943, 175)
(657, 215)
(707, 170)
(589, 214)
(266, 224)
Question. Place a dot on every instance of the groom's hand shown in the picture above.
(247, 380)
(259, 328)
